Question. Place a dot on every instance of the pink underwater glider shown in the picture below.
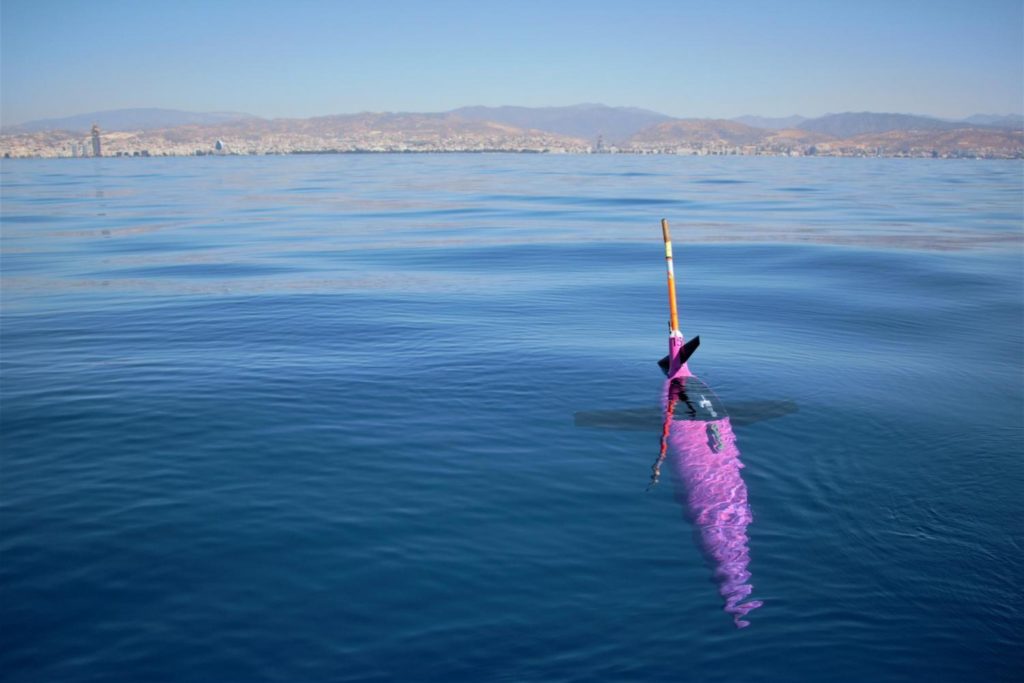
(696, 433)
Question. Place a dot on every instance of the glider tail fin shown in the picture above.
(684, 355)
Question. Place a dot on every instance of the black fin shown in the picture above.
(684, 354)
(688, 349)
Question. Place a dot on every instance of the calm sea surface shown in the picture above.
(319, 418)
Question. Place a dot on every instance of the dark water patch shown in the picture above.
(440, 212)
(634, 201)
(587, 200)
(307, 189)
(60, 180)
(121, 244)
(628, 174)
(34, 219)
(529, 198)
(193, 270)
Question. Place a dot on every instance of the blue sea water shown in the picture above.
(315, 418)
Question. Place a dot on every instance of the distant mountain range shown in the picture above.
(587, 121)
(876, 135)
(584, 121)
(1013, 121)
(769, 123)
(367, 125)
(576, 128)
(702, 131)
(851, 124)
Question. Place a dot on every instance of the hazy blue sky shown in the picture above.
(706, 59)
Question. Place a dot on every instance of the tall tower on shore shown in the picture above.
(96, 140)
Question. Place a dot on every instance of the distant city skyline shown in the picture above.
(945, 58)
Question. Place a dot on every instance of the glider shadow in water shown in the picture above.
(649, 419)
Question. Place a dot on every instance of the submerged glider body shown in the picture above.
(701, 447)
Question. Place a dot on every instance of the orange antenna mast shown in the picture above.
(674, 320)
